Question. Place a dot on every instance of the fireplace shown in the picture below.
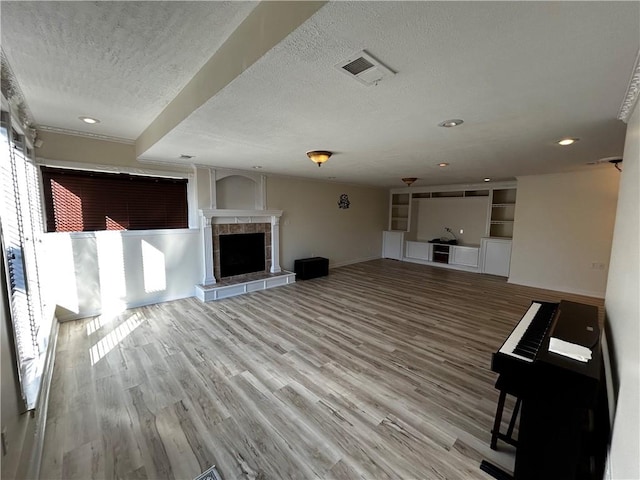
(253, 240)
(222, 283)
(241, 253)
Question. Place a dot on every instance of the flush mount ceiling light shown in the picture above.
(89, 120)
(409, 180)
(567, 141)
(454, 122)
(319, 156)
(487, 179)
(443, 164)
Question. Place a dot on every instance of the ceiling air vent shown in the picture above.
(364, 68)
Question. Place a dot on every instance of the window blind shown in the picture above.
(77, 200)
(21, 229)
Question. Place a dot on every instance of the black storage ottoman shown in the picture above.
(313, 267)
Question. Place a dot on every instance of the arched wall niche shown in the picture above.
(235, 192)
(229, 189)
(239, 190)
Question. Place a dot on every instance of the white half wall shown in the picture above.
(92, 273)
(312, 225)
(563, 230)
(622, 307)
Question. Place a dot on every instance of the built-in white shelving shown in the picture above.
(400, 212)
(503, 207)
(489, 257)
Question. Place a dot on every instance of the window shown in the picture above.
(77, 201)
(20, 234)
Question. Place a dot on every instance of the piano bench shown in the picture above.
(496, 435)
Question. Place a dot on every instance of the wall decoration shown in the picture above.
(344, 201)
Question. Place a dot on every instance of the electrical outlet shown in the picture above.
(597, 266)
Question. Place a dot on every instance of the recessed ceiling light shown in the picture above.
(257, 167)
(454, 122)
(89, 120)
(567, 141)
(443, 164)
(487, 179)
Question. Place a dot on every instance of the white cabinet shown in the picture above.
(419, 250)
(496, 256)
(442, 255)
(392, 245)
(467, 256)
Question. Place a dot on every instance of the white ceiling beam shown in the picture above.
(266, 26)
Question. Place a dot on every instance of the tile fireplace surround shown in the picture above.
(219, 222)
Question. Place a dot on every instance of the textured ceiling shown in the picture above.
(521, 74)
(121, 62)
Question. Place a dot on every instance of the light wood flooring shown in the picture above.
(380, 370)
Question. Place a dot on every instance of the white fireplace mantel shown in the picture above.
(238, 216)
(224, 216)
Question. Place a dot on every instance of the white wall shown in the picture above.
(622, 306)
(86, 150)
(90, 273)
(466, 213)
(313, 225)
(564, 225)
(19, 426)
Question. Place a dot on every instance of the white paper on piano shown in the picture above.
(571, 350)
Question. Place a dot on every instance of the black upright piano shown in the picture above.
(563, 431)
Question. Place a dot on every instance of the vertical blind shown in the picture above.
(77, 200)
(21, 229)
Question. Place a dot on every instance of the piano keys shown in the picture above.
(526, 338)
(559, 394)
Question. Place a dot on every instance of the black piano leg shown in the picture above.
(512, 423)
(498, 420)
(495, 472)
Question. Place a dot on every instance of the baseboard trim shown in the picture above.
(559, 288)
(141, 303)
(351, 262)
(42, 406)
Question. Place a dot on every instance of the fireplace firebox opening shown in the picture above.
(242, 253)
